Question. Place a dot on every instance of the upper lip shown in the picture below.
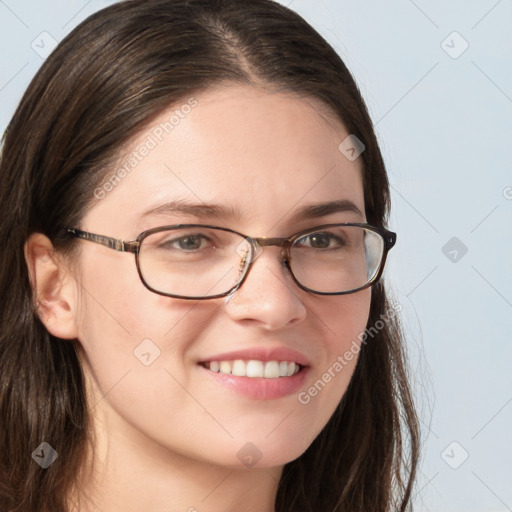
(261, 354)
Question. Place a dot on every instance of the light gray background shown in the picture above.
(443, 115)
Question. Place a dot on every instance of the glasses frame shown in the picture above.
(257, 245)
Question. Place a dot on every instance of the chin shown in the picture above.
(274, 451)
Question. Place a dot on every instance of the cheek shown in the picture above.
(345, 321)
(118, 319)
(115, 303)
(131, 334)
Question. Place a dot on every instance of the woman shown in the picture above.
(245, 357)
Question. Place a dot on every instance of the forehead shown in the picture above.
(260, 154)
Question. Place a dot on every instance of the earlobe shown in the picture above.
(53, 287)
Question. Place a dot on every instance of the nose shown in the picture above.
(268, 295)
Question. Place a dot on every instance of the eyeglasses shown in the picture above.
(197, 261)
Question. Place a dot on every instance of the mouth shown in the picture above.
(258, 373)
(254, 368)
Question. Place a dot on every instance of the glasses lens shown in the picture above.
(337, 259)
(193, 261)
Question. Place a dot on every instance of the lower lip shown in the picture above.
(260, 388)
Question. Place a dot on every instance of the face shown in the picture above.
(263, 156)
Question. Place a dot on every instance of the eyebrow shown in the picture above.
(203, 210)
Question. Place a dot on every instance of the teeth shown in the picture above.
(271, 370)
(254, 368)
(225, 367)
(238, 368)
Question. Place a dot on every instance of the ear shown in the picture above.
(53, 285)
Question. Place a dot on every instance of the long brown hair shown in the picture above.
(105, 82)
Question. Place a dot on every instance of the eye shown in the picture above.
(191, 242)
(321, 240)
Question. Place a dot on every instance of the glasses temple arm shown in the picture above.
(112, 243)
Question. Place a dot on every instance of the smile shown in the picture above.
(254, 368)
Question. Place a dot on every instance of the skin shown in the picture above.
(166, 438)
